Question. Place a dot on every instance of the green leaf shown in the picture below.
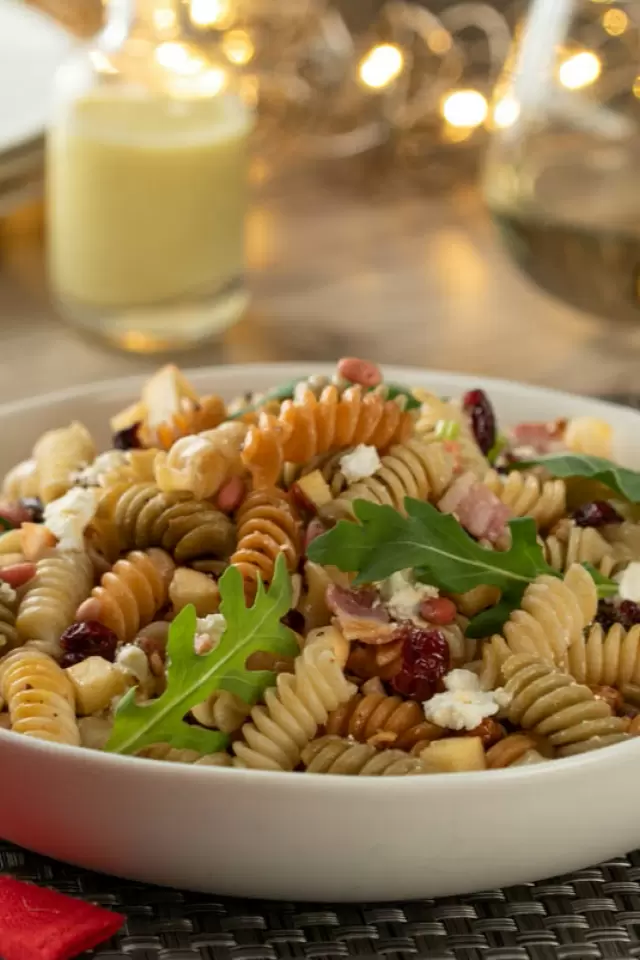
(284, 392)
(6, 524)
(192, 677)
(394, 390)
(435, 544)
(501, 442)
(624, 482)
(606, 587)
(492, 621)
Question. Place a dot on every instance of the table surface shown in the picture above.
(390, 273)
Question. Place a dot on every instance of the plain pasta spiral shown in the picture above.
(61, 583)
(59, 454)
(607, 658)
(39, 697)
(336, 755)
(293, 710)
(526, 495)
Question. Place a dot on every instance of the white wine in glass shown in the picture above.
(562, 179)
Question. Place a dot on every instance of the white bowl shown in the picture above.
(287, 836)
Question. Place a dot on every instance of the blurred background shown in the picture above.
(420, 191)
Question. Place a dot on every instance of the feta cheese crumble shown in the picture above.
(69, 516)
(464, 705)
(104, 463)
(7, 593)
(209, 631)
(133, 664)
(403, 596)
(629, 583)
(360, 463)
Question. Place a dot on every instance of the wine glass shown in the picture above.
(562, 178)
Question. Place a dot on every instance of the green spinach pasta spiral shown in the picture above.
(336, 755)
(550, 703)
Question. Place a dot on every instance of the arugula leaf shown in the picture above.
(394, 390)
(624, 482)
(434, 544)
(605, 586)
(192, 677)
(284, 392)
(6, 524)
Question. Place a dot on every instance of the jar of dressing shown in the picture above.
(147, 183)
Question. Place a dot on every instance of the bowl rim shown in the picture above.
(481, 779)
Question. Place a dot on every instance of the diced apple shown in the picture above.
(95, 682)
(163, 393)
(136, 413)
(315, 489)
(454, 755)
(191, 586)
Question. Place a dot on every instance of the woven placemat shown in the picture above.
(593, 914)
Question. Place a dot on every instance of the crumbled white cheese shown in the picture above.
(103, 463)
(464, 705)
(133, 662)
(69, 516)
(629, 583)
(209, 630)
(7, 593)
(403, 595)
(360, 463)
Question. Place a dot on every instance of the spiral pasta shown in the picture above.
(194, 416)
(62, 581)
(8, 632)
(119, 467)
(130, 595)
(22, 481)
(59, 455)
(39, 697)
(550, 703)
(570, 544)
(382, 660)
(201, 463)
(222, 711)
(383, 721)
(606, 658)
(414, 469)
(433, 412)
(552, 615)
(308, 426)
(526, 495)
(517, 749)
(164, 751)
(339, 756)
(145, 517)
(268, 527)
(293, 710)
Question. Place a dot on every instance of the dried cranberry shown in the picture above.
(35, 508)
(596, 514)
(624, 612)
(425, 661)
(88, 639)
(127, 439)
(483, 420)
(294, 620)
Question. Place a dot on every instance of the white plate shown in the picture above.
(31, 48)
(288, 836)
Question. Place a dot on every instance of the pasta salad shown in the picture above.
(342, 575)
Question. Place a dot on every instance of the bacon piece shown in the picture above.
(477, 508)
(360, 614)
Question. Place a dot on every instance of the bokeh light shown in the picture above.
(238, 47)
(212, 13)
(465, 108)
(506, 112)
(381, 65)
(615, 22)
(580, 70)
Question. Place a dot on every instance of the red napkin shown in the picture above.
(40, 924)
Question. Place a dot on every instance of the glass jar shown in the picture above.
(147, 183)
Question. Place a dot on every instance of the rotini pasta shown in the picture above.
(268, 526)
(39, 697)
(194, 416)
(8, 631)
(200, 464)
(518, 749)
(22, 481)
(145, 517)
(381, 720)
(307, 427)
(294, 710)
(59, 455)
(606, 658)
(436, 413)
(526, 495)
(570, 544)
(61, 583)
(339, 756)
(223, 711)
(131, 594)
(551, 704)
(163, 751)
(414, 469)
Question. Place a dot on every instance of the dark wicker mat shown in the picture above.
(592, 915)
